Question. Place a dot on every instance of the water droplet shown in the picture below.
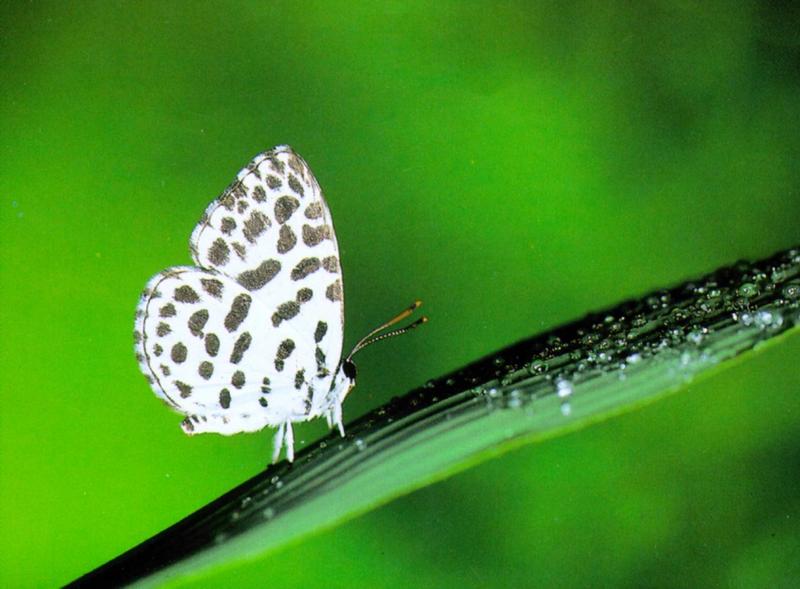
(359, 444)
(268, 513)
(778, 274)
(537, 367)
(566, 409)
(563, 388)
(634, 358)
(747, 290)
(695, 336)
(768, 318)
(245, 502)
(791, 290)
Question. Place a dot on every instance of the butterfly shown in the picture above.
(251, 336)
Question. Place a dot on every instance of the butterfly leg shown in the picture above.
(335, 417)
(289, 439)
(277, 444)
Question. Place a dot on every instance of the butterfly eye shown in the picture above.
(349, 369)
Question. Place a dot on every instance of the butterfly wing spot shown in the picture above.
(299, 378)
(227, 225)
(219, 253)
(167, 310)
(314, 235)
(240, 250)
(334, 291)
(285, 207)
(227, 200)
(273, 182)
(296, 164)
(286, 239)
(212, 344)
(276, 164)
(186, 294)
(178, 353)
(212, 286)
(225, 398)
(295, 185)
(197, 322)
(285, 312)
(331, 264)
(240, 347)
(285, 350)
(238, 379)
(313, 211)
(304, 295)
(206, 369)
(259, 194)
(163, 329)
(185, 389)
(305, 267)
(238, 312)
(259, 277)
(255, 225)
(320, 331)
(319, 356)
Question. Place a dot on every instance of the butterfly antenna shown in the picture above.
(373, 336)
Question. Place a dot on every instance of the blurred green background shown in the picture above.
(513, 164)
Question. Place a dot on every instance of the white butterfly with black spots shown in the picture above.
(251, 336)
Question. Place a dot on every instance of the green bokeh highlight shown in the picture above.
(512, 164)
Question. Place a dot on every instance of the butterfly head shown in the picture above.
(349, 370)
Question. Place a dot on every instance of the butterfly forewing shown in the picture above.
(253, 335)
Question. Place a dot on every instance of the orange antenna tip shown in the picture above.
(373, 336)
